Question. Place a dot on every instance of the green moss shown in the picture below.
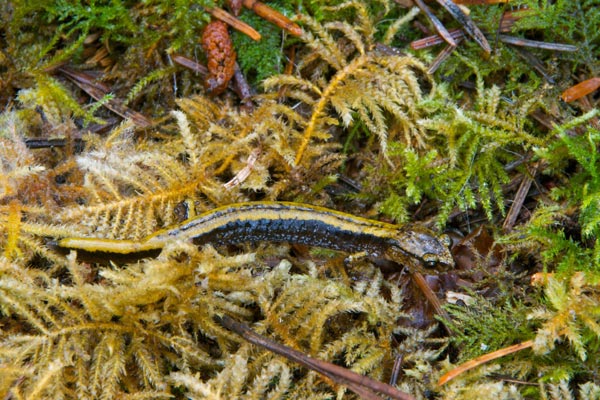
(482, 326)
(262, 59)
(467, 168)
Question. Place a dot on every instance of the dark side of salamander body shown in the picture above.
(307, 232)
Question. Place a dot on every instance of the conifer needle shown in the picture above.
(467, 23)
(482, 360)
(360, 384)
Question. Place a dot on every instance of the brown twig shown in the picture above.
(235, 23)
(467, 23)
(98, 90)
(506, 23)
(396, 369)
(520, 196)
(239, 85)
(360, 384)
(516, 41)
(190, 64)
(79, 144)
(410, 3)
(274, 16)
(441, 57)
(437, 24)
(479, 2)
(420, 281)
(482, 360)
(433, 40)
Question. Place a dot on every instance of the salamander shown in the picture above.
(288, 222)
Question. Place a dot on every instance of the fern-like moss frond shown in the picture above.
(53, 98)
(573, 314)
(480, 142)
(135, 189)
(343, 330)
(380, 90)
(483, 327)
(553, 228)
(26, 197)
(468, 167)
(102, 339)
(265, 377)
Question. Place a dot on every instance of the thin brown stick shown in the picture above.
(98, 90)
(235, 23)
(441, 57)
(240, 86)
(360, 384)
(437, 24)
(478, 2)
(435, 39)
(506, 23)
(467, 23)
(420, 281)
(273, 16)
(396, 369)
(78, 144)
(190, 64)
(482, 360)
(519, 199)
(516, 41)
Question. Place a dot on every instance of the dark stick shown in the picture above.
(190, 64)
(437, 24)
(467, 23)
(520, 196)
(516, 41)
(98, 90)
(50, 143)
(396, 369)
(241, 86)
(360, 384)
(535, 63)
(421, 282)
(436, 39)
(441, 57)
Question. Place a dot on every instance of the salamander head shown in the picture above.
(420, 243)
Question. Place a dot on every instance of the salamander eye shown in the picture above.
(430, 260)
(446, 240)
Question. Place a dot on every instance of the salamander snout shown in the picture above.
(433, 250)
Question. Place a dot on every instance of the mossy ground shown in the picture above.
(484, 149)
